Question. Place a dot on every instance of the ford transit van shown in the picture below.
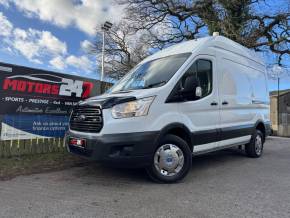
(192, 98)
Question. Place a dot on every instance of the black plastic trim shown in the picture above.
(210, 136)
(124, 149)
(267, 126)
(236, 131)
(117, 100)
(171, 127)
(205, 136)
(215, 135)
(108, 102)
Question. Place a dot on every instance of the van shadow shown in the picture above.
(104, 175)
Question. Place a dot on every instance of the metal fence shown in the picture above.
(13, 148)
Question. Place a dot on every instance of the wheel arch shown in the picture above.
(260, 125)
(179, 130)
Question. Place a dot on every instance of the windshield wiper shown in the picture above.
(154, 84)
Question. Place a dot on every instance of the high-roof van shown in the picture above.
(192, 98)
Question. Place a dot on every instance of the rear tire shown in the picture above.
(171, 161)
(255, 147)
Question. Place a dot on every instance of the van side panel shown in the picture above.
(260, 98)
(259, 84)
(243, 95)
(235, 89)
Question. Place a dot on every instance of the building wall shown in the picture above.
(284, 115)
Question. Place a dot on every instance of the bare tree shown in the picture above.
(150, 25)
(236, 19)
(124, 48)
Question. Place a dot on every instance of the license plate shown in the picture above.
(81, 143)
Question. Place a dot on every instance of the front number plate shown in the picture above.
(77, 142)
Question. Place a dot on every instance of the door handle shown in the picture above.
(214, 103)
(225, 103)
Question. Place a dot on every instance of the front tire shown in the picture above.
(171, 161)
(255, 148)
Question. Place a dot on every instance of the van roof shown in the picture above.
(219, 42)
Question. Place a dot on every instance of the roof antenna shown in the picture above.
(215, 34)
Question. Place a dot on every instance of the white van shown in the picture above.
(194, 97)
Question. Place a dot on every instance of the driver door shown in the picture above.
(202, 113)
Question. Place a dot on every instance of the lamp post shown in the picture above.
(106, 27)
(278, 73)
(278, 104)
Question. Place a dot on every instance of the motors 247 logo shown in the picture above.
(46, 84)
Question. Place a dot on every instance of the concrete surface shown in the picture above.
(222, 184)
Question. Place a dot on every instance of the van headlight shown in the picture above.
(135, 108)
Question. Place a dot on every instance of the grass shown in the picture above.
(37, 163)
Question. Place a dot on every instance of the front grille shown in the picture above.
(86, 119)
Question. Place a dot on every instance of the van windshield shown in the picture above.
(151, 74)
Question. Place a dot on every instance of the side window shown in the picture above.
(202, 71)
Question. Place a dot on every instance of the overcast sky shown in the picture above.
(54, 34)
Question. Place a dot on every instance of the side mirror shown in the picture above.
(198, 92)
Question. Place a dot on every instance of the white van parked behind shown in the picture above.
(194, 97)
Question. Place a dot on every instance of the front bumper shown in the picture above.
(123, 149)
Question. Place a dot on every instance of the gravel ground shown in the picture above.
(221, 184)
